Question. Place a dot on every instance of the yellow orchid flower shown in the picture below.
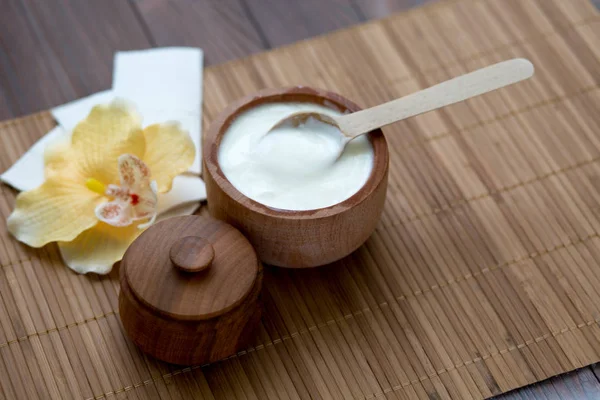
(101, 187)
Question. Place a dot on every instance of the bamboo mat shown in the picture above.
(481, 277)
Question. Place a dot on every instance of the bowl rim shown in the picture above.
(221, 123)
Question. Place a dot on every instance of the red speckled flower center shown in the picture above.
(134, 199)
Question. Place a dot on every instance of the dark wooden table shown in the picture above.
(55, 51)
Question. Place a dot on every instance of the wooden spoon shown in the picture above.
(443, 94)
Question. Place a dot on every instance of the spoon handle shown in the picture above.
(443, 94)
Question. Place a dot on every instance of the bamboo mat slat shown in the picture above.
(482, 275)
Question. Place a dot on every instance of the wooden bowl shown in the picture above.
(190, 290)
(295, 239)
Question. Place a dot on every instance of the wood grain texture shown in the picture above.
(481, 276)
(284, 22)
(382, 8)
(6, 106)
(296, 239)
(577, 385)
(188, 317)
(222, 29)
(159, 284)
(5, 111)
(192, 254)
(73, 60)
(190, 342)
(25, 62)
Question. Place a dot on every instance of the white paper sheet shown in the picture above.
(165, 84)
(28, 172)
(186, 189)
(164, 78)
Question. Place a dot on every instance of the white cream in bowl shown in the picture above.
(295, 169)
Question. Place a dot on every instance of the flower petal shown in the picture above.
(108, 132)
(133, 172)
(98, 248)
(55, 211)
(147, 200)
(169, 152)
(60, 160)
(115, 213)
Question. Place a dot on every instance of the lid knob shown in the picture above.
(192, 254)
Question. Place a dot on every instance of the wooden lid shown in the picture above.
(191, 268)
